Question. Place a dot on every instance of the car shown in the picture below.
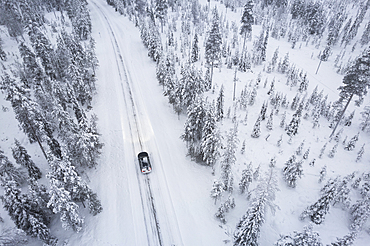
(144, 162)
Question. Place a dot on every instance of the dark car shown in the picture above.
(144, 162)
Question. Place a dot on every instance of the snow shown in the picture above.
(134, 116)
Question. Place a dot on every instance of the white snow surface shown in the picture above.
(172, 205)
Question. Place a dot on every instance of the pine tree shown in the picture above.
(8, 171)
(246, 179)
(195, 49)
(333, 150)
(161, 7)
(360, 212)
(347, 240)
(292, 171)
(322, 174)
(305, 155)
(356, 82)
(220, 104)
(247, 21)
(352, 143)
(285, 64)
(292, 128)
(211, 139)
(248, 229)
(365, 124)
(270, 121)
(217, 190)
(242, 151)
(257, 129)
(24, 159)
(300, 148)
(213, 43)
(318, 210)
(360, 153)
(307, 237)
(2, 53)
(322, 150)
(229, 158)
(282, 122)
(343, 189)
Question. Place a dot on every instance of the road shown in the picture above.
(171, 205)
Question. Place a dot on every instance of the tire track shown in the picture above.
(125, 78)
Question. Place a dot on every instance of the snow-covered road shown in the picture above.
(170, 206)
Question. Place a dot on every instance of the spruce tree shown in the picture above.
(8, 171)
(217, 190)
(229, 158)
(220, 104)
(318, 210)
(292, 171)
(195, 49)
(24, 159)
(352, 143)
(347, 240)
(246, 179)
(213, 43)
(257, 129)
(356, 82)
(365, 123)
(248, 229)
(360, 153)
(247, 20)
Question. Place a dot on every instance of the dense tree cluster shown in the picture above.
(51, 95)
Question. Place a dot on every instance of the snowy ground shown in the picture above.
(171, 206)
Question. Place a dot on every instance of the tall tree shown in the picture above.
(247, 21)
(248, 229)
(229, 158)
(213, 43)
(356, 82)
(24, 159)
(161, 7)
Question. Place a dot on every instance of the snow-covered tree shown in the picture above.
(229, 158)
(319, 209)
(213, 42)
(333, 151)
(360, 212)
(305, 155)
(307, 237)
(217, 190)
(247, 178)
(24, 159)
(211, 139)
(248, 229)
(257, 128)
(292, 171)
(161, 7)
(8, 171)
(220, 104)
(322, 174)
(360, 153)
(356, 82)
(347, 240)
(247, 20)
(322, 150)
(365, 123)
(352, 143)
(195, 49)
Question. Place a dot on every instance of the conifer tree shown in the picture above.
(161, 7)
(322, 150)
(352, 143)
(282, 122)
(246, 179)
(305, 155)
(365, 124)
(248, 229)
(360, 212)
(220, 104)
(356, 82)
(307, 237)
(347, 240)
(322, 174)
(195, 49)
(247, 20)
(360, 153)
(8, 171)
(217, 190)
(213, 43)
(211, 139)
(257, 129)
(292, 128)
(24, 159)
(300, 148)
(270, 121)
(318, 210)
(333, 151)
(292, 171)
(229, 158)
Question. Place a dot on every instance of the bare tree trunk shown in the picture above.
(341, 115)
